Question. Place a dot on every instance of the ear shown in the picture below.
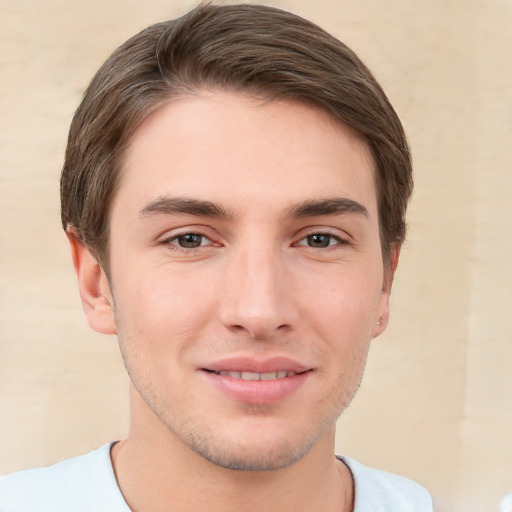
(382, 320)
(94, 287)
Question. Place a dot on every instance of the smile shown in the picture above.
(248, 382)
(282, 374)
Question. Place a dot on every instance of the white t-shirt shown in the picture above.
(88, 484)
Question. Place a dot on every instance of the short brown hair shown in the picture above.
(251, 48)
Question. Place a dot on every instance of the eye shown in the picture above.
(320, 240)
(189, 240)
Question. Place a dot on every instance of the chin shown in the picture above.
(253, 458)
(263, 449)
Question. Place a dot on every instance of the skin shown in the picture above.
(273, 269)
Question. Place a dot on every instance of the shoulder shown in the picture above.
(380, 491)
(84, 483)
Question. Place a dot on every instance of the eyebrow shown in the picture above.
(309, 208)
(176, 205)
(333, 206)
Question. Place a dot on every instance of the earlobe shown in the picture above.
(382, 319)
(94, 288)
(381, 322)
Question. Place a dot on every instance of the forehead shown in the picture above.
(235, 149)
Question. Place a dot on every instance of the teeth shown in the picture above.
(281, 374)
(250, 376)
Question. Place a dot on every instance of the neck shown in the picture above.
(156, 472)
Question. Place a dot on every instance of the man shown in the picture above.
(234, 194)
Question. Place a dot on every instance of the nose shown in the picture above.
(258, 295)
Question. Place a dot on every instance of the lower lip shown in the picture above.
(257, 392)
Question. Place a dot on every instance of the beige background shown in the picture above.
(436, 404)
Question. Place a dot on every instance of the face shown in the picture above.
(246, 275)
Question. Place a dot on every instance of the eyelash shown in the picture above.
(337, 239)
(173, 242)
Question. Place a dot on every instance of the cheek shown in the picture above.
(347, 304)
(345, 315)
(161, 311)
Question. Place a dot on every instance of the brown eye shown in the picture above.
(320, 241)
(189, 240)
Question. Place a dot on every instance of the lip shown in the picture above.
(256, 392)
(251, 364)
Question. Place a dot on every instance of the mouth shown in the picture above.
(250, 381)
(280, 374)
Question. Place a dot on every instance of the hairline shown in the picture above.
(265, 96)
